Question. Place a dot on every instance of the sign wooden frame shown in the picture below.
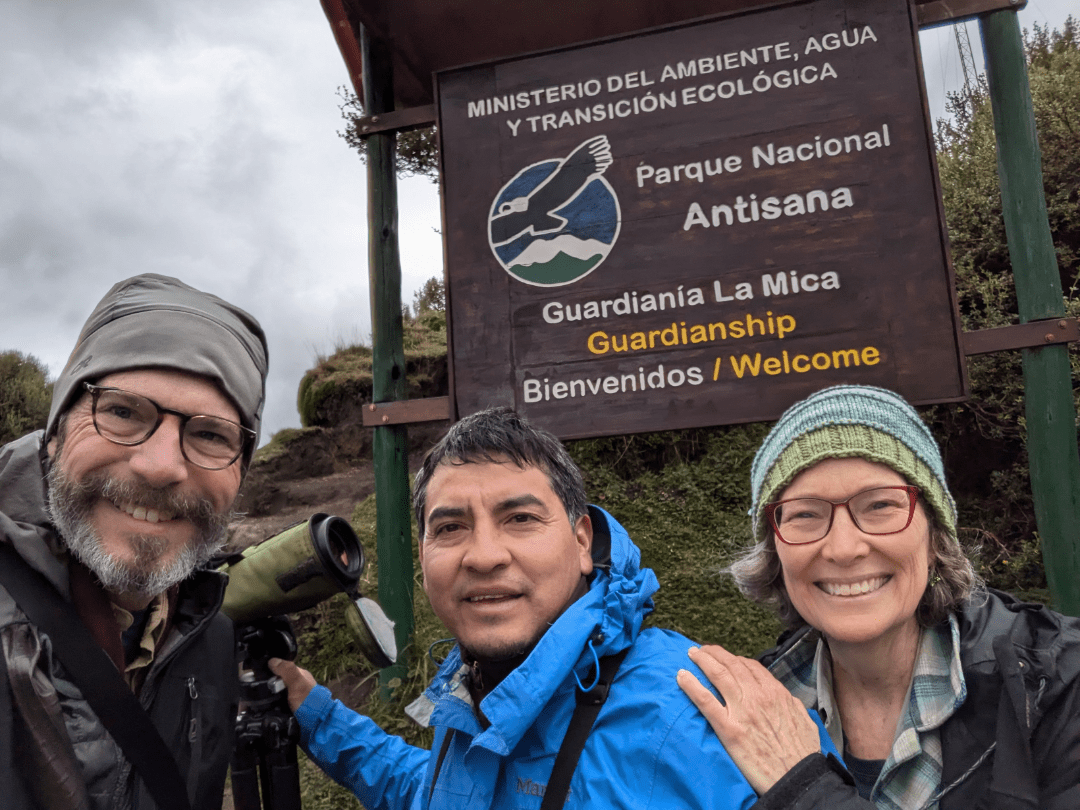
(759, 196)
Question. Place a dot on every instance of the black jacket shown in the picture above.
(1015, 743)
(54, 752)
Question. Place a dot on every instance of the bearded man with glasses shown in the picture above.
(117, 506)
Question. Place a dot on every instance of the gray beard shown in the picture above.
(71, 504)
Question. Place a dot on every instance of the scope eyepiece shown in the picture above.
(294, 570)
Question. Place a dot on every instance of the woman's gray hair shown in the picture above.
(952, 579)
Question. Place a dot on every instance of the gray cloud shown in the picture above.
(196, 140)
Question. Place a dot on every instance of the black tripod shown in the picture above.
(264, 756)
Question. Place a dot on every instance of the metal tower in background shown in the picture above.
(967, 59)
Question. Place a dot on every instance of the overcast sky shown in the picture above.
(199, 139)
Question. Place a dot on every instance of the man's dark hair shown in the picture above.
(496, 435)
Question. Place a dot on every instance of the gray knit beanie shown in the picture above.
(851, 421)
(153, 321)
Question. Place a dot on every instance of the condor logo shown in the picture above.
(556, 220)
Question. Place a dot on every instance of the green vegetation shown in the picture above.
(344, 374)
(278, 445)
(683, 497)
(25, 395)
(984, 439)
(339, 382)
(417, 150)
(424, 334)
(430, 297)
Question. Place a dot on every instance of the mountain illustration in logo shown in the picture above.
(556, 220)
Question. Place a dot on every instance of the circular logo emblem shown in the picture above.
(556, 220)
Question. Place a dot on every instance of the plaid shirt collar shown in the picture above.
(911, 775)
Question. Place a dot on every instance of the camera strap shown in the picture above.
(97, 678)
(581, 723)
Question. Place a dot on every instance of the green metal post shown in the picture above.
(1051, 414)
(390, 445)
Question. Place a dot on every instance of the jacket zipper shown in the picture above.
(194, 736)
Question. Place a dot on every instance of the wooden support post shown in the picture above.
(1051, 414)
(390, 445)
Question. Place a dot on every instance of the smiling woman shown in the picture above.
(938, 692)
(854, 583)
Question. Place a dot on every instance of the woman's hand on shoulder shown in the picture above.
(765, 730)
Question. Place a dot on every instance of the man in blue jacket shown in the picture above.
(537, 588)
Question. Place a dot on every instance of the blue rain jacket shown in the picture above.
(649, 747)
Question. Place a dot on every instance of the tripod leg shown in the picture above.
(245, 779)
(281, 775)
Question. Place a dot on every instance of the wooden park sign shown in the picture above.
(697, 225)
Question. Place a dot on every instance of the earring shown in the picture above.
(935, 578)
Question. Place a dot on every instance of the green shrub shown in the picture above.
(984, 440)
(25, 395)
(332, 391)
(347, 370)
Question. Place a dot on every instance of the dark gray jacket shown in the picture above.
(54, 753)
(1015, 743)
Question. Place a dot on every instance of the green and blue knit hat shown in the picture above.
(851, 421)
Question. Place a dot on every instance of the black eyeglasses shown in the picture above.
(881, 510)
(125, 418)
